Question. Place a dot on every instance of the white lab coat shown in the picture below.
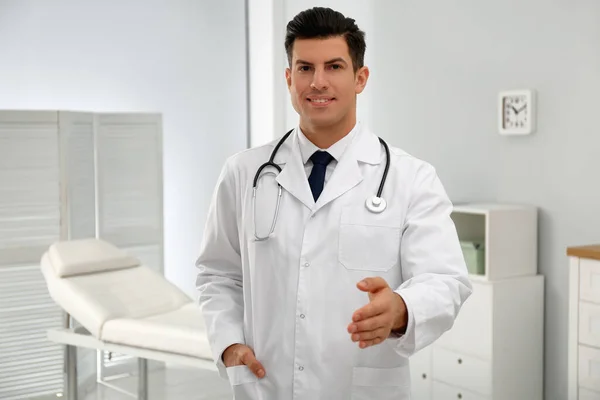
(291, 298)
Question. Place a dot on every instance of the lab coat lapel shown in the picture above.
(293, 176)
(347, 174)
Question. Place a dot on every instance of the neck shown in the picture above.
(324, 136)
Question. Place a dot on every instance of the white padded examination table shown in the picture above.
(124, 307)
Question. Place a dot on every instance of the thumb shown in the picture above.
(253, 364)
(372, 285)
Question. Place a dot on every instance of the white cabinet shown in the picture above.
(462, 370)
(495, 348)
(442, 391)
(584, 322)
(421, 382)
(504, 345)
(476, 312)
(67, 175)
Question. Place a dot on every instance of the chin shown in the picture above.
(322, 120)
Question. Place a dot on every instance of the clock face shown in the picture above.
(515, 112)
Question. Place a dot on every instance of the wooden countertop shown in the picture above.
(591, 251)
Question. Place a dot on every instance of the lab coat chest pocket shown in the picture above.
(243, 382)
(369, 241)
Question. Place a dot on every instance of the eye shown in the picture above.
(336, 66)
(304, 68)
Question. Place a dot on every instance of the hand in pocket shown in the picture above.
(240, 354)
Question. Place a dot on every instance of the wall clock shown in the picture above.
(516, 112)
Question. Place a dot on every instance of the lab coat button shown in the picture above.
(302, 316)
(301, 368)
(307, 265)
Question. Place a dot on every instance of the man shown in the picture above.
(312, 294)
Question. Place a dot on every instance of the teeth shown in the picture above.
(320, 100)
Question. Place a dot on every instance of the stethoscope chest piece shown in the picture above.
(376, 204)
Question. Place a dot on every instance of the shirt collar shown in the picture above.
(307, 148)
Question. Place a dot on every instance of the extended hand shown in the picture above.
(386, 311)
(239, 354)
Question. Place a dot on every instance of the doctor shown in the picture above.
(319, 293)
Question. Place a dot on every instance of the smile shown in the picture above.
(321, 102)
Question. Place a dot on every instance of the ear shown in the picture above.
(288, 77)
(362, 76)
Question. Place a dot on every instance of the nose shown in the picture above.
(319, 80)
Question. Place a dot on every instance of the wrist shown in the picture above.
(401, 317)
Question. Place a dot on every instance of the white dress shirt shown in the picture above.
(307, 149)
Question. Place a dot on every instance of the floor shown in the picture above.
(167, 384)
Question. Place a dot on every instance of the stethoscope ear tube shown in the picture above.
(271, 162)
(385, 171)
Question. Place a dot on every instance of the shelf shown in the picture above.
(507, 234)
(484, 208)
(477, 278)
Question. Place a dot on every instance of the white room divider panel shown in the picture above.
(67, 175)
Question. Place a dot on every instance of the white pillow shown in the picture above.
(83, 256)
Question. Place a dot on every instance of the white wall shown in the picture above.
(183, 58)
(437, 68)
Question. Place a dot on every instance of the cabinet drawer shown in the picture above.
(472, 329)
(585, 394)
(589, 324)
(442, 391)
(463, 371)
(589, 280)
(589, 368)
(420, 374)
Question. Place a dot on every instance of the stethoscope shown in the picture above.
(375, 204)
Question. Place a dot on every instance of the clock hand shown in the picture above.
(521, 109)
(514, 109)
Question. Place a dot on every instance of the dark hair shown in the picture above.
(322, 23)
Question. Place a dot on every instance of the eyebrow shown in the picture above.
(333, 61)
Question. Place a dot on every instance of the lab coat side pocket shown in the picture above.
(243, 382)
(368, 242)
(380, 383)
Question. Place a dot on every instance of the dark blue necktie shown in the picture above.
(316, 179)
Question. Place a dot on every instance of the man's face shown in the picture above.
(322, 82)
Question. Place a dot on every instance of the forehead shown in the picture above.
(320, 50)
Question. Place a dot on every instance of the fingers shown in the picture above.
(369, 335)
(371, 331)
(367, 343)
(370, 310)
(372, 323)
(368, 325)
(252, 363)
(372, 285)
(370, 338)
(239, 354)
